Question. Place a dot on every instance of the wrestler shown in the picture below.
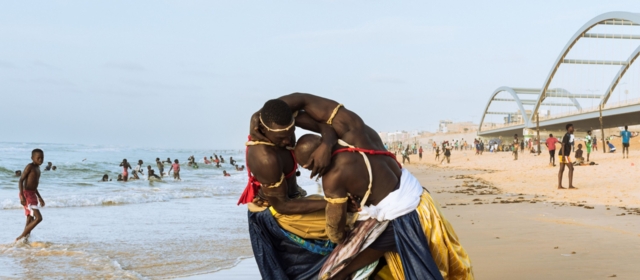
(394, 204)
(288, 238)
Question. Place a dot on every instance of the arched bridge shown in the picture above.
(559, 102)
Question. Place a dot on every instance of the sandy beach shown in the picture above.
(515, 224)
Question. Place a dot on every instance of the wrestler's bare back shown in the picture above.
(348, 170)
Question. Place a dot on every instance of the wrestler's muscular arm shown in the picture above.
(336, 213)
(347, 124)
(320, 159)
(267, 168)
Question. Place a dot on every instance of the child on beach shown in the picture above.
(105, 178)
(28, 192)
(18, 173)
(578, 155)
(48, 167)
(224, 172)
(438, 153)
(176, 170)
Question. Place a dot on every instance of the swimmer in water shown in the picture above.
(105, 178)
(176, 170)
(125, 172)
(48, 167)
(221, 159)
(54, 168)
(232, 161)
(206, 161)
(224, 172)
(138, 168)
(120, 178)
(160, 167)
(151, 173)
(18, 173)
(168, 161)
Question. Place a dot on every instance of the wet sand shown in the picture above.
(515, 225)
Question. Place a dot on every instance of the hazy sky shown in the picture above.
(188, 74)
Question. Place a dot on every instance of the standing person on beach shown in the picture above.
(564, 156)
(551, 146)
(420, 153)
(29, 194)
(176, 170)
(588, 141)
(437, 153)
(516, 143)
(125, 169)
(595, 143)
(626, 136)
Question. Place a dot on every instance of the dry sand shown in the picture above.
(515, 224)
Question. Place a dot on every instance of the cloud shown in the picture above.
(391, 30)
(128, 66)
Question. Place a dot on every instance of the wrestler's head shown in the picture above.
(306, 145)
(277, 123)
(37, 156)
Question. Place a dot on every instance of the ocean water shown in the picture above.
(126, 230)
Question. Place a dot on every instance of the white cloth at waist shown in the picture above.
(397, 203)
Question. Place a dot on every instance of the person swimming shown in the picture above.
(105, 178)
(120, 178)
(206, 161)
(232, 161)
(18, 173)
(48, 167)
(224, 172)
(54, 168)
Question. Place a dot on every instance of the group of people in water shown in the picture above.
(174, 168)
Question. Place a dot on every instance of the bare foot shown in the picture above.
(561, 188)
(573, 188)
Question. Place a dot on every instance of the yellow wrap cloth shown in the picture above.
(452, 260)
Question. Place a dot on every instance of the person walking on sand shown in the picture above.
(405, 155)
(564, 156)
(551, 146)
(420, 153)
(516, 143)
(447, 154)
(28, 192)
(437, 153)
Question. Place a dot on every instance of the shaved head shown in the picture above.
(306, 145)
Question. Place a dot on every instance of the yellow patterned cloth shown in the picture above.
(452, 260)
(307, 226)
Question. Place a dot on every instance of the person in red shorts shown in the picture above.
(29, 195)
(551, 145)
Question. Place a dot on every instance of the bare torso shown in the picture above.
(33, 178)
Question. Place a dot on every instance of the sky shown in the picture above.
(189, 74)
